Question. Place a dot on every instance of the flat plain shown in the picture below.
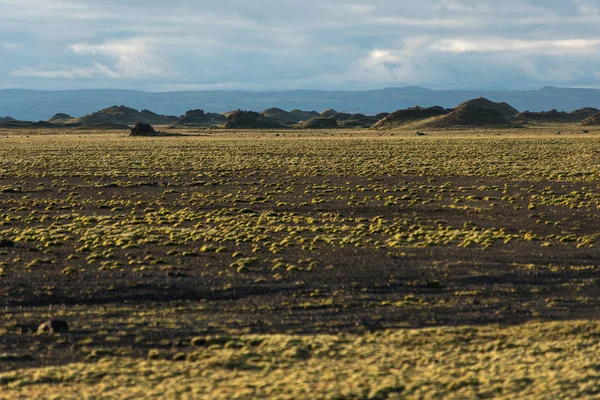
(301, 264)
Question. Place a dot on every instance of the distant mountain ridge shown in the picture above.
(40, 105)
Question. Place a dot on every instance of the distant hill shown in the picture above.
(503, 108)
(401, 117)
(250, 120)
(347, 120)
(320, 123)
(123, 115)
(41, 105)
(544, 116)
(578, 115)
(583, 113)
(330, 112)
(16, 124)
(468, 115)
(280, 116)
(302, 116)
(200, 118)
(593, 120)
(60, 118)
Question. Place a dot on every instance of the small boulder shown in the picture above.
(6, 242)
(420, 134)
(24, 329)
(53, 326)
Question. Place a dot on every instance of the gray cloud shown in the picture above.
(237, 44)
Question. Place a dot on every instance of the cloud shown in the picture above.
(134, 57)
(10, 45)
(310, 44)
(587, 7)
(97, 70)
(503, 45)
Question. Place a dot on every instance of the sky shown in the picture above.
(298, 44)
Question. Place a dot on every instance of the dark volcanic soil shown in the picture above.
(332, 289)
(145, 243)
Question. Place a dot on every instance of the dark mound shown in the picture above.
(150, 117)
(280, 116)
(6, 119)
(125, 116)
(320, 123)
(545, 116)
(328, 113)
(103, 127)
(502, 108)
(250, 120)
(142, 129)
(382, 115)
(358, 121)
(347, 120)
(401, 117)
(582, 113)
(60, 118)
(466, 115)
(200, 118)
(15, 124)
(594, 120)
(341, 116)
(301, 116)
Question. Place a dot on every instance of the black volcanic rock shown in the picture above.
(53, 326)
(142, 129)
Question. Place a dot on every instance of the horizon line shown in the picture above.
(301, 90)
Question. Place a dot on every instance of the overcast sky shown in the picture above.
(298, 44)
